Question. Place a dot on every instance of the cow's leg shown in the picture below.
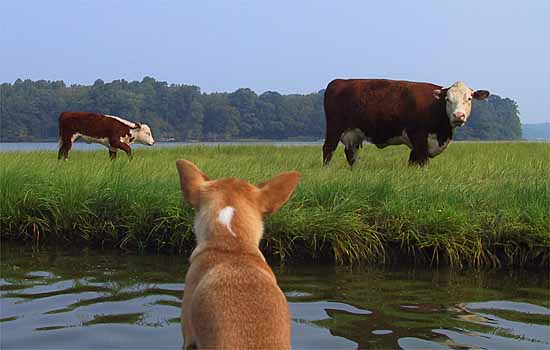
(112, 153)
(419, 153)
(60, 152)
(351, 154)
(331, 142)
(65, 146)
(114, 143)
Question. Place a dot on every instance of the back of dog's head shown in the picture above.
(232, 206)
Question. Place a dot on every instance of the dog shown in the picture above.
(231, 298)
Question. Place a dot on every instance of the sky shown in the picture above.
(285, 46)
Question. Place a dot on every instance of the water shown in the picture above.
(82, 146)
(89, 299)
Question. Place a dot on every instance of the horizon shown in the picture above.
(291, 48)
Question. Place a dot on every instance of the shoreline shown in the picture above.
(476, 205)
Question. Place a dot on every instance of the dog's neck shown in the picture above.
(228, 227)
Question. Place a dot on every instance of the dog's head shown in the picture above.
(232, 208)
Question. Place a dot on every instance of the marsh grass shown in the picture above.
(478, 204)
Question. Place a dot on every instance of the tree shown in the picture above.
(30, 109)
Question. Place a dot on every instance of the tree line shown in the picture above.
(30, 109)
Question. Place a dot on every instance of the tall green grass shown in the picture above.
(477, 204)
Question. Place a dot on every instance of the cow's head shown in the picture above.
(142, 134)
(458, 101)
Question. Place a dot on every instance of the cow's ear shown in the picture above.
(275, 192)
(137, 126)
(439, 93)
(480, 94)
(191, 180)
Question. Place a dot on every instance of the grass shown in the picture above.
(477, 204)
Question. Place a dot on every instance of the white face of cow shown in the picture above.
(142, 134)
(458, 101)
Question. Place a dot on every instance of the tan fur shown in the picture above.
(231, 298)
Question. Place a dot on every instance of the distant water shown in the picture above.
(82, 146)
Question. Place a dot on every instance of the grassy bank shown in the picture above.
(475, 205)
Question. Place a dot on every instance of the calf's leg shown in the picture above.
(114, 143)
(64, 148)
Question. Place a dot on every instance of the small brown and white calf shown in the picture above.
(113, 132)
(231, 298)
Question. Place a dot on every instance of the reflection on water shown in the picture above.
(85, 299)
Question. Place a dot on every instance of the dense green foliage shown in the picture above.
(30, 109)
(494, 119)
(481, 204)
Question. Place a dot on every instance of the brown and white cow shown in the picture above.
(384, 112)
(113, 132)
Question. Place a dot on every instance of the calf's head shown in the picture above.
(458, 101)
(142, 134)
(232, 208)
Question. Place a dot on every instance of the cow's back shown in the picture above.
(381, 107)
(90, 124)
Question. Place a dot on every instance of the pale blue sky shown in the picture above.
(286, 46)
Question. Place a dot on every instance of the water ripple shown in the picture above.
(108, 301)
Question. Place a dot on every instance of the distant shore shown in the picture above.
(479, 204)
(82, 146)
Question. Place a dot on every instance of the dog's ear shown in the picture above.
(275, 192)
(191, 179)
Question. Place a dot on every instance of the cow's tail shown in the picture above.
(60, 125)
(325, 96)
(332, 132)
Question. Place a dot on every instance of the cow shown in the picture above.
(385, 112)
(113, 132)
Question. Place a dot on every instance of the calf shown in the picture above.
(384, 112)
(113, 132)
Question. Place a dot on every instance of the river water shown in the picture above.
(61, 299)
(82, 146)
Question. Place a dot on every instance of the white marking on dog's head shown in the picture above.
(225, 216)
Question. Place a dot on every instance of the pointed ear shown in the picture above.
(137, 126)
(439, 93)
(275, 192)
(480, 94)
(191, 179)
